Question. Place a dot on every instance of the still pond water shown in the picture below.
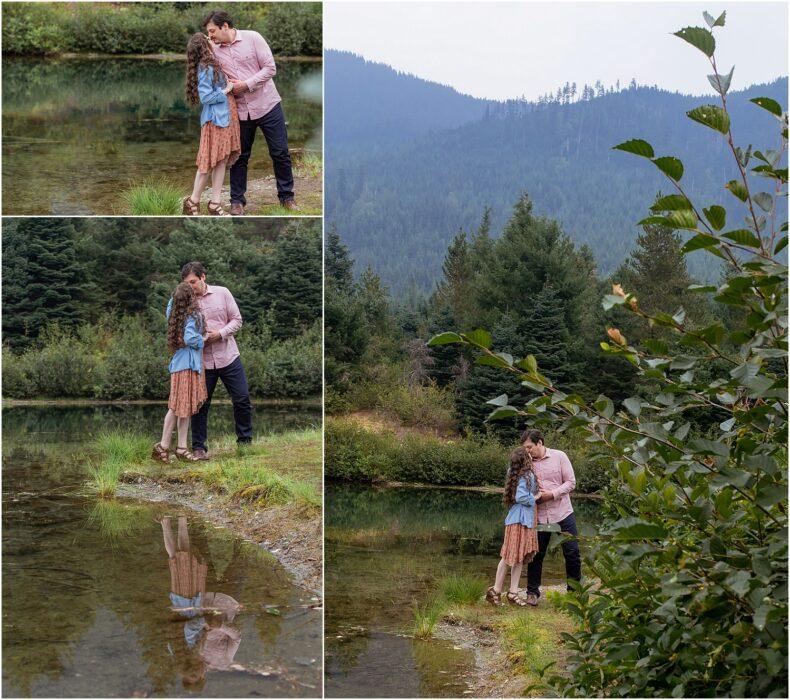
(385, 551)
(77, 132)
(86, 607)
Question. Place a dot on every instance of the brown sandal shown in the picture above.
(516, 599)
(493, 597)
(215, 209)
(190, 208)
(161, 454)
(185, 455)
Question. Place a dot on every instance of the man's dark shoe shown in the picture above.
(532, 600)
(201, 455)
(290, 204)
(236, 209)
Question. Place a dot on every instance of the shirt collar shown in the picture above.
(208, 291)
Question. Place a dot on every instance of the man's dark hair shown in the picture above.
(534, 436)
(218, 17)
(193, 268)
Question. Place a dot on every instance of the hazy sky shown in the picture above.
(508, 49)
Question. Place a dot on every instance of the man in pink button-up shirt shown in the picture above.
(555, 480)
(221, 360)
(247, 61)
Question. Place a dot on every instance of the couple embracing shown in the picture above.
(537, 487)
(202, 321)
(230, 73)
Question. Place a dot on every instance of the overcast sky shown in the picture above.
(508, 49)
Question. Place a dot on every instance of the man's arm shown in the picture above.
(265, 61)
(568, 478)
(234, 317)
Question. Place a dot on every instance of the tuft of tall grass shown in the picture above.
(154, 198)
(310, 164)
(462, 590)
(117, 521)
(426, 616)
(118, 451)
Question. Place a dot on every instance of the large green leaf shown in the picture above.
(670, 166)
(711, 116)
(768, 104)
(743, 236)
(701, 240)
(716, 215)
(683, 219)
(637, 147)
(699, 38)
(672, 202)
(503, 412)
(764, 200)
(445, 339)
(479, 337)
(629, 529)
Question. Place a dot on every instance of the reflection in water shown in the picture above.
(86, 610)
(385, 551)
(77, 131)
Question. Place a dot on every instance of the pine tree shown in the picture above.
(337, 263)
(44, 281)
(546, 337)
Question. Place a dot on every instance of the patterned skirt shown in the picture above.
(219, 142)
(187, 575)
(187, 392)
(520, 545)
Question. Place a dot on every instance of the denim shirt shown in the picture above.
(214, 101)
(522, 512)
(191, 356)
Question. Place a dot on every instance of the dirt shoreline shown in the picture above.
(296, 543)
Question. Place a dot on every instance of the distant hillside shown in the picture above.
(398, 195)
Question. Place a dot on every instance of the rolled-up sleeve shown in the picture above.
(234, 317)
(567, 476)
(265, 60)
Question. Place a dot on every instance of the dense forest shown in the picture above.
(84, 302)
(291, 29)
(536, 290)
(400, 218)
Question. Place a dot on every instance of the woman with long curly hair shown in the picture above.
(220, 144)
(185, 338)
(521, 538)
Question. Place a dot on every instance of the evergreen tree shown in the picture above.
(546, 337)
(44, 281)
(455, 289)
(337, 263)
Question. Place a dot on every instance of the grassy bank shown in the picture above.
(372, 451)
(519, 642)
(275, 470)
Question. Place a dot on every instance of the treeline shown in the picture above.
(536, 291)
(291, 29)
(84, 303)
(560, 153)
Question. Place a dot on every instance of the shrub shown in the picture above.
(136, 365)
(424, 405)
(293, 29)
(34, 28)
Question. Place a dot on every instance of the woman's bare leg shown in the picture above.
(501, 571)
(201, 180)
(167, 428)
(167, 532)
(183, 432)
(515, 575)
(217, 178)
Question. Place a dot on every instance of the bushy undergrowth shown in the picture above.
(140, 28)
(127, 361)
(355, 453)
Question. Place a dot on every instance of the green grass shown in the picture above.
(117, 521)
(112, 454)
(426, 617)
(154, 198)
(311, 164)
(277, 210)
(462, 590)
(282, 469)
